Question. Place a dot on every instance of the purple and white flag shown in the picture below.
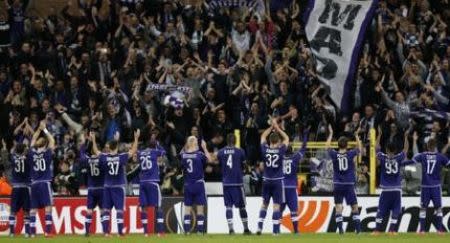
(335, 30)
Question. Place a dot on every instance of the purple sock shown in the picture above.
(120, 222)
(339, 220)
(105, 222)
(187, 223)
(378, 221)
(438, 217)
(159, 221)
(276, 222)
(12, 223)
(33, 224)
(26, 221)
(294, 218)
(201, 223)
(262, 216)
(144, 221)
(244, 217)
(357, 221)
(48, 223)
(422, 215)
(87, 223)
(229, 216)
(393, 225)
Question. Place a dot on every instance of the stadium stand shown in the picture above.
(207, 68)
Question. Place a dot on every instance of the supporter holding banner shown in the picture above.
(335, 30)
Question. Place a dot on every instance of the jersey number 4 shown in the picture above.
(230, 161)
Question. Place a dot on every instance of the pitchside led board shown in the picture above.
(316, 215)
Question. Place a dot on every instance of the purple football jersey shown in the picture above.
(290, 170)
(41, 163)
(193, 165)
(148, 162)
(432, 164)
(96, 177)
(390, 177)
(231, 160)
(273, 161)
(113, 166)
(344, 166)
(20, 175)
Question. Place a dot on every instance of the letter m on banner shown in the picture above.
(335, 30)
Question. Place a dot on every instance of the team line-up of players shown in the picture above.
(33, 170)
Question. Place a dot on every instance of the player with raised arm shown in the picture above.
(20, 181)
(40, 159)
(95, 182)
(232, 161)
(344, 177)
(291, 163)
(432, 163)
(113, 165)
(193, 162)
(149, 191)
(273, 184)
(390, 182)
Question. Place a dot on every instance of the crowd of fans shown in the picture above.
(208, 67)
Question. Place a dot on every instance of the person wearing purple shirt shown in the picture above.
(344, 177)
(95, 182)
(112, 164)
(231, 160)
(149, 191)
(291, 163)
(20, 181)
(273, 184)
(432, 164)
(193, 163)
(390, 182)
(40, 159)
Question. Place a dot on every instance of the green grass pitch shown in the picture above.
(317, 238)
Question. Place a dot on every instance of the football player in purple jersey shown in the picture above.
(40, 158)
(390, 182)
(344, 177)
(291, 164)
(149, 191)
(232, 161)
(273, 178)
(113, 165)
(432, 163)
(20, 181)
(95, 183)
(193, 162)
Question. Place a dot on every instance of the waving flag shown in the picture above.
(335, 30)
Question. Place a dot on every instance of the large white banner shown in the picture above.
(335, 30)
(317, 215)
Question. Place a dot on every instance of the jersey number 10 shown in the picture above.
(343, 163)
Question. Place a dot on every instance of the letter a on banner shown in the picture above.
(335, 30)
